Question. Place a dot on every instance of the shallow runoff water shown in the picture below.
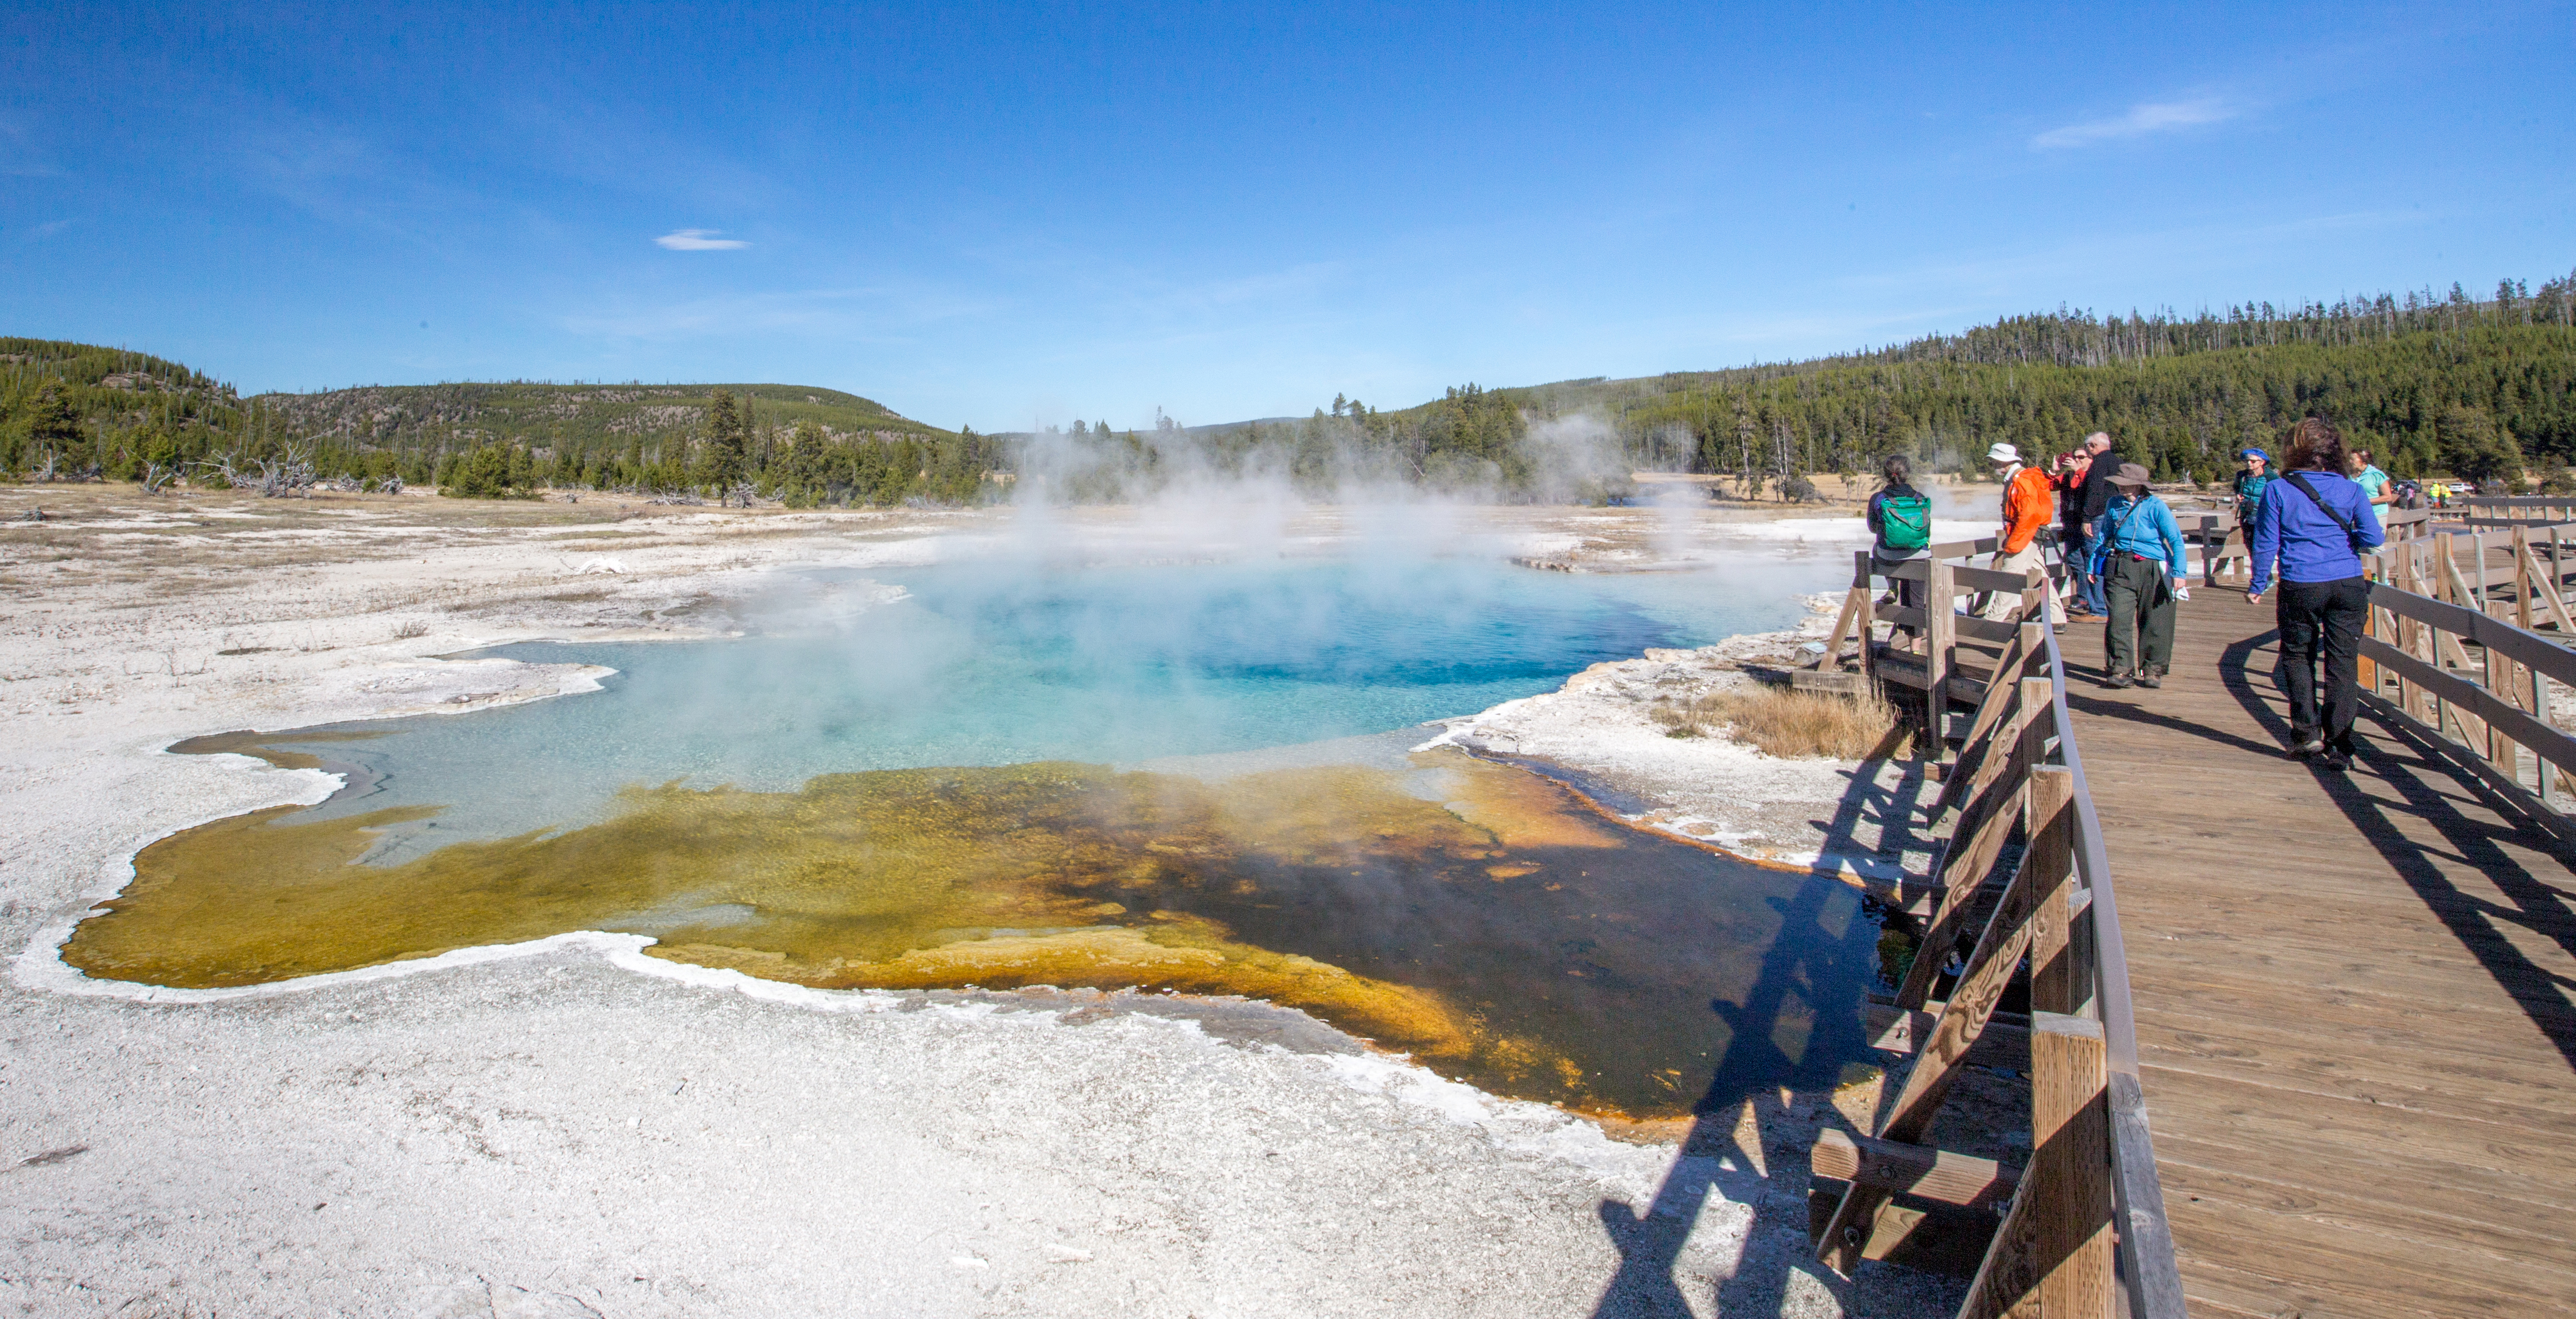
(1195, 777)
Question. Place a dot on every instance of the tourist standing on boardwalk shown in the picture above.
(1900, 528)
(2103, 461)
(2314, 523)
(2374, 483)
(2141, 563)
(2030, 502)
(2072, 469)
(2250, 484)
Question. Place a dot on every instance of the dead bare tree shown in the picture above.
(156, 476)
(277, 478)
(52, 462)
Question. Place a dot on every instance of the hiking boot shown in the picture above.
(2331, 759)
(2151, 680)
(2307, 746)
(2120, 680)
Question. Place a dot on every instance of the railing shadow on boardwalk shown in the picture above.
(2539, 904)
(1826, 972)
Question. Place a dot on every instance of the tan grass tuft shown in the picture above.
(1790, 724)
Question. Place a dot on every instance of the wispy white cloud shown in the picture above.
(2141, 120)
(699, 240)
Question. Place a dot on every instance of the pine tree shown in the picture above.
(726, 458)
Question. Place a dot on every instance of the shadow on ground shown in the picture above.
(1763, 1103)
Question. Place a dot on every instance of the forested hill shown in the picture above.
(74, 411)
(57, 399)
(548, 416)
(2430, 381)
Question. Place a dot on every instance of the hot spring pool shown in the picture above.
(1187, 777)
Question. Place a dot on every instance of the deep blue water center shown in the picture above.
(998, 663)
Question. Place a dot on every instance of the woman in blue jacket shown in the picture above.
(2315, 521)
(2140, 561)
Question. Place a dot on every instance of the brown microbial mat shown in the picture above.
(1485, 920)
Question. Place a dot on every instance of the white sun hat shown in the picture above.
(2003, 453)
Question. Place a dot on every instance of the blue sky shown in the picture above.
(997, 215)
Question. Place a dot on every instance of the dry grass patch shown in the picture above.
(1791, 724)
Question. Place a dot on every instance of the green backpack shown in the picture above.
(1905, 522)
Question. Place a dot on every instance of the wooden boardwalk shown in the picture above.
(2355, 995)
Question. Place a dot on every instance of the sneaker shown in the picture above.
(2119, 680)
(2150, 680)
(2308, 746)
(2331, 759)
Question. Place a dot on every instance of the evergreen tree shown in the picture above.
(726, 459)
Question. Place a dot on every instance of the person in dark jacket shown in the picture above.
(2311, 527)
(1911, 526)
(2085, 503)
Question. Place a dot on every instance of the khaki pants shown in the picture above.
(2003, 603)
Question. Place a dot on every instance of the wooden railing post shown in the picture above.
(1939, 630)
(1864, 579)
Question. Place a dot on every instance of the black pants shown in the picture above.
(2323, 617)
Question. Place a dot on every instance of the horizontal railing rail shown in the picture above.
(2454, 653)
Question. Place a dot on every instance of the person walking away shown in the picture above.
(2142, 565)
(1900, 528)
(2314, 525)
(2375, 484)
(2030, 502)
(2097, 497)
(2250, 483)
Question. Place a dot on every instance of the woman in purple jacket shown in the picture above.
(2314, 522)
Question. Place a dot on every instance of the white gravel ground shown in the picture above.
(575, 1129)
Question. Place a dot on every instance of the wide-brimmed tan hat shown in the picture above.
(2003, 453)
(2131, 474)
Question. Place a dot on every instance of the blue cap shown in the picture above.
(2256, 453)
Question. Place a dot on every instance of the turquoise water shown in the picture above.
(995, 664)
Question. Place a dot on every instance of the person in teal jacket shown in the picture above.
(2142, 565)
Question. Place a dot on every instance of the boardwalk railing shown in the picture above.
(2493, 510)
(1928, 659)
(2456, 654)
(2223, 539)
(2086, 1217)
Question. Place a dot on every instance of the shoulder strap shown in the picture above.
(2300, 479)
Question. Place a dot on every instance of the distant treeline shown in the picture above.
(73, 411)
(2432, 382)
(1472, 441)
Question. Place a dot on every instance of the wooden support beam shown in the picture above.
(1999, 699)
(1842, 625)
(2557, 603)
(2055, 1246)
(2004, 1042)
(1917, 1170)
(1990, 968)
(1995, 806)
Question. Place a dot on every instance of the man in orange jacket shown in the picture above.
(2030, 503)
